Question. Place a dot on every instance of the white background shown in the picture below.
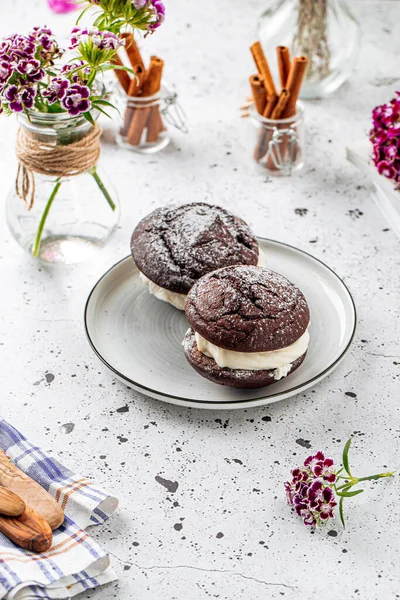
(265, 551)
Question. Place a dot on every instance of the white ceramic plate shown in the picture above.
(139, 338)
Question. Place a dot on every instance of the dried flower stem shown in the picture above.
(312, 37)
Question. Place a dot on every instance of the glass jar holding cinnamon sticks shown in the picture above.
(278, 114)
(143, 129)
(279, 143)
(145, 102)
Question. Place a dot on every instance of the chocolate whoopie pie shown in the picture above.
(249, 327)
(174, 247)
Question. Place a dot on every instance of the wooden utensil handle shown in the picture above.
(29, 531)
(11, 505)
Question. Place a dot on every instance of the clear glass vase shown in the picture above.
(70, 217)
(325, 31)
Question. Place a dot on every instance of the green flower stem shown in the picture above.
(354, 480)
(102, 187)
(38, 237)
(379, 476)
(91, 77)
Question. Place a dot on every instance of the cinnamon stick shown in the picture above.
(138, 81)
(272, 100)
(155, 125)
(150, 87)
(132, 50)
(265, 134)
(263, 68)
(122, 76)
(277, 114)
(294, 81)
(283, 55)
(258, 91)
(134, 89)
(281, 104)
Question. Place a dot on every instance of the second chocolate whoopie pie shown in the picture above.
(249, 326)
(174, 247)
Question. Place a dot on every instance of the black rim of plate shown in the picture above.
(292, 391)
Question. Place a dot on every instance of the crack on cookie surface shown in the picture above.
(247, 309)
(175, 247)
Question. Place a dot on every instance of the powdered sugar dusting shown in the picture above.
(175, 247)
(247, 309)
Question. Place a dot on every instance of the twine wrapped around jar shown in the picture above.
(53, 160)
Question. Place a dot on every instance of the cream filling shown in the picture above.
(262, 259)
(178, 300)
(279, 360)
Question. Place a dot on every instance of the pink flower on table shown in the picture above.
(315, 488)
(321, 467)
(321, 499)
(308, 492)
(313, 460)
(62, 6)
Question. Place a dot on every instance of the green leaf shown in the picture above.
(341, 512)
(346, 494)
(102, 111)
(105, 103)
(118, 68)
(346, 457)
(81, 14)
(344, 488)
(89, 118)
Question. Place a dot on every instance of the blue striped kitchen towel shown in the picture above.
(74, 563)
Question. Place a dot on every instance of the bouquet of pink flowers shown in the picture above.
(385, 138)
(31, 79)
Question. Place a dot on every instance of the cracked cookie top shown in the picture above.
(174, 247)
(247, 309)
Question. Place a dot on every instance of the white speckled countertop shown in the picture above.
(226, 531)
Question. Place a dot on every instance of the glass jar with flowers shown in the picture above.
(62, 207)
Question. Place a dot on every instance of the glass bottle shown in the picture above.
(325, 31)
